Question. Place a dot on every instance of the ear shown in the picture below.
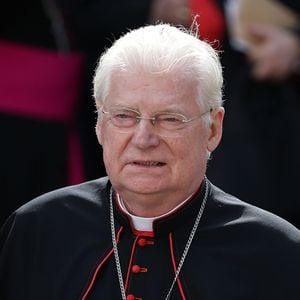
(216, 128)
(98, 129)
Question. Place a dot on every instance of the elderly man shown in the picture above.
(156, 228)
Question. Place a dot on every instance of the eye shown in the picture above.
(124, 114)
(123, 117)
(170, 118)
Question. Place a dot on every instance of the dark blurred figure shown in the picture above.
(258, 159)
(41, 74)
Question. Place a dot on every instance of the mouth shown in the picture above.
(148, 163)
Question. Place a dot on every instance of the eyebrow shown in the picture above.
(173, 109)
(122, 106)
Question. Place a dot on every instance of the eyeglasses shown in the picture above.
(166, 123)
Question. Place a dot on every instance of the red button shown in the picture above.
(136, 269)
(142, 242)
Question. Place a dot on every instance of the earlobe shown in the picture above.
(216, 129)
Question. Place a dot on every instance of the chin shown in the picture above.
(143, 186)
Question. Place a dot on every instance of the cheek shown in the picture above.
(110, 149)
(190, 147)
(114, 147)
(191, 155)
(104, 137)
(111, 157)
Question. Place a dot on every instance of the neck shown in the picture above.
(149, 206)
(125, 210)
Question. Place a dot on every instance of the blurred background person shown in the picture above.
(261, 121)
(41, 74)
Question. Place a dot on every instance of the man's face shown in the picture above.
(142, 162)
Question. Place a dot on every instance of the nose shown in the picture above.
(144, 135)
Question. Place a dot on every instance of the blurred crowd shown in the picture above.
(48, 53)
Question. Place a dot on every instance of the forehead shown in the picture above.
(158, 92)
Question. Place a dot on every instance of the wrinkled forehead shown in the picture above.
(163, 89)
(166, 87)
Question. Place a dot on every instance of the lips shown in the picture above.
(148, 163)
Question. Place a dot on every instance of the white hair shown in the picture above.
(163, 49)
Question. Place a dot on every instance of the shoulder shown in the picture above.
(231, 214)
(87, 193)
(68, 206)
(49, 233)
(71, 216)
(250, 244)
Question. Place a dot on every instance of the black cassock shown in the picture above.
(59, 246)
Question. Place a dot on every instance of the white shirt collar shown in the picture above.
(143, 223)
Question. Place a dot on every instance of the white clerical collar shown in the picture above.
(143, 223)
